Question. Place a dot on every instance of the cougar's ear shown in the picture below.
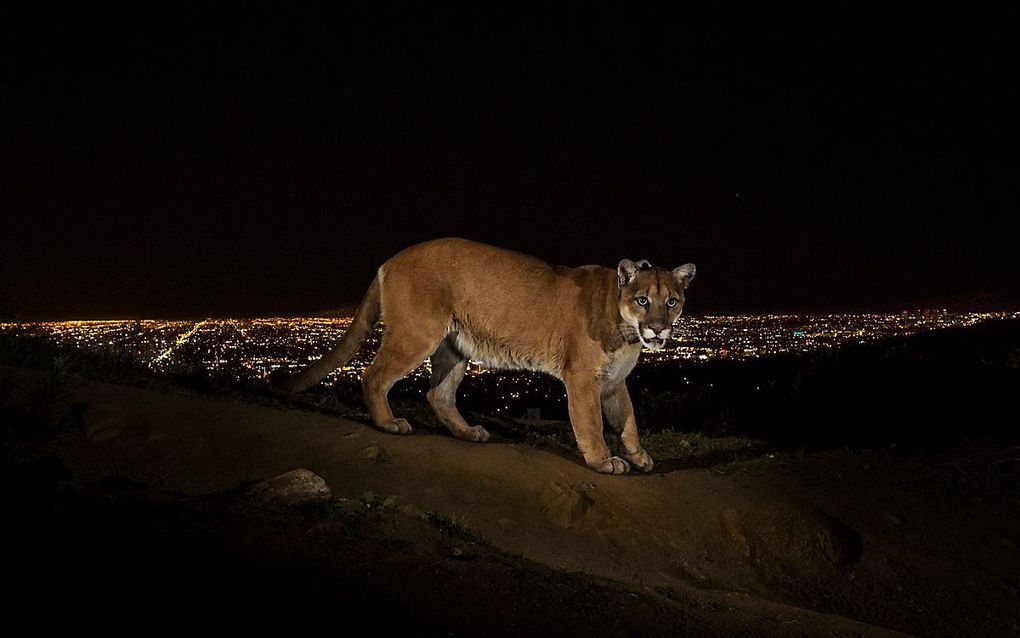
(625, 271)
(644, 263)
(684, 274)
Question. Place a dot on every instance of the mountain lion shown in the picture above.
(454, 300)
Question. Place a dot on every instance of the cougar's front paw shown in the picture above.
(396, 426)
(640, 460)
(612, 465)
(475, 433)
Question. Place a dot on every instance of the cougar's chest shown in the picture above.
(619, 363)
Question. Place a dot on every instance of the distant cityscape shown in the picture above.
(253, 348)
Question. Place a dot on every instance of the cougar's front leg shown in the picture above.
(585, 407)
(620, 416)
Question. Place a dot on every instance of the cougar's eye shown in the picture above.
(671, 302)
(642, 301)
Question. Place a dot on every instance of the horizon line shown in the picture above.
(815, 313)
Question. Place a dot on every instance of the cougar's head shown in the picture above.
(651, 299)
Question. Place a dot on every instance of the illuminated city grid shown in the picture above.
(252, 348)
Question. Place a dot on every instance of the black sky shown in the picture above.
(250, 161)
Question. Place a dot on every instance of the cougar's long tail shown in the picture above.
(364, 320)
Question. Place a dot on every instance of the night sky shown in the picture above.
(242, 161)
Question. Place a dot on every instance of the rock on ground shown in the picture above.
(291, 489)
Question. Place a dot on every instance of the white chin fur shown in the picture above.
(651, 346)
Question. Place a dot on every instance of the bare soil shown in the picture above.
(725, 538)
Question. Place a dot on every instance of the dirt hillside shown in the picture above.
(832, 543)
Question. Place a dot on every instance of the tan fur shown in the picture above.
(454, 300)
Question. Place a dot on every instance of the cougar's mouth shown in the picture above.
(653, 342)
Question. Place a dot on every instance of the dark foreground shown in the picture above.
(132, 509)
(124, 557)
(121, 556)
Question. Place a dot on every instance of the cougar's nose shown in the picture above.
(657, 326)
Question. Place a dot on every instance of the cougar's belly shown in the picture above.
(501, 352)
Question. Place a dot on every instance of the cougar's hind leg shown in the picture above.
(448, 367)
(405, 346)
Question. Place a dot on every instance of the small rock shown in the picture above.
(372, 453)
(293, 489)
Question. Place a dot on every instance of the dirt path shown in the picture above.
(753, 544)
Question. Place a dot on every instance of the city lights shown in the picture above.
(253, 348)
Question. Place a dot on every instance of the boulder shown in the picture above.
(292, 489)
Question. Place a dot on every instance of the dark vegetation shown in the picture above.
(932, 388)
